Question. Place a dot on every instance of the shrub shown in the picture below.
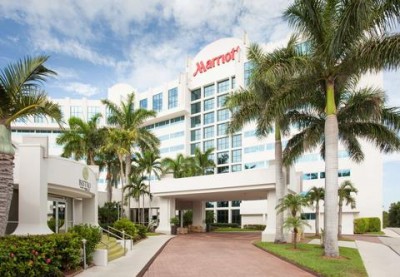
(360, 225)
(141, 230)
(126, 225)
(188, 218)
(108, 214)
(52, 224)
(258, 227)
(232, 225)
(367, 224)
(42, 255)
(92, 234)
(394, 215)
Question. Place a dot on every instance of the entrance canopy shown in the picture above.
(245, 185)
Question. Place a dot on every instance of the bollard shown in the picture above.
(84, 253)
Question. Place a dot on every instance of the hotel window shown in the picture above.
(209, 91)
(233, 82)
(310, 176)
(195, 121)
(223, 115)
(223, 86)
(143, 104)
(236, 141)
(209, 104)
(223, 143)
(195, 94)
(236, 218)
(308, 216)
(208, 144)
(222, 204)
(223, 169)
(236, 203)
(248, 66)
(322, 175)
(221, 100)
(195, 108)
(222, 216)
(236, 168)
(76, 111)
(209, 204)
(38, 119)
(208, 118)
(208, 132)
(223, 158)
(172, 98)
(157, 102)
(221, 129)
(193, 147)
(236, 156)
(344, 173)
(91, 111)
(195, 135)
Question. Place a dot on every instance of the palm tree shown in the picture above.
(21, 96)
(180, 167)
(269, 78)
(297, 224)
(293, 203)
(345, 39)
(202, 161)
(149, 162)
(125, 117)
(83, 139)
(136, 188)
(109, 160)
(315, 195)
(345, 190)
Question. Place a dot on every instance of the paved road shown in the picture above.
(216, 254)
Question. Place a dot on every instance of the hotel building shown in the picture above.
(190, 115)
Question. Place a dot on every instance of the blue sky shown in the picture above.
(94, 44)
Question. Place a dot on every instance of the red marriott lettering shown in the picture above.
(222, 59)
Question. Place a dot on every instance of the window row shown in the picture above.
(208, 104)
(174, 148)
(321, 175)
(222, 143)
(171, 136)
(166, 122)
(209, 118)
(158, 100)
(208, 91)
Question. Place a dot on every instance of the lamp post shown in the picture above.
(84, 253)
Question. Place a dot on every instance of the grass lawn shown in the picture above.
(311, 257)
(150, 234)
(234, 229)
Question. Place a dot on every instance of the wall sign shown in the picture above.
(202, 66)
(84, 184)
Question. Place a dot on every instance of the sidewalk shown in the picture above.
(134, 261)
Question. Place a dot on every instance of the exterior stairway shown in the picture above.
(114, 249)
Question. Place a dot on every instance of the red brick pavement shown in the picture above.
(219, 254)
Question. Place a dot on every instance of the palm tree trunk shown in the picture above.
(317, 218)
(143, 209)
(138, 217)
(280, 185)
(6, 176)
(295, 238)
(331, 170)
(340, 220)
(122, 183)
(150, 216)
(109, 186)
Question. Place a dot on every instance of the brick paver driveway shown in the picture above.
(219, 254)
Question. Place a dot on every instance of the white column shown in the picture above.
(167, 211)
(32, 186)
(269, 233)
(77, 209)
(199, 214)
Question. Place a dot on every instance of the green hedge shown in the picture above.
(232, 225)
(126, 225)
(367, 224)
(44, 255)
(258, 227)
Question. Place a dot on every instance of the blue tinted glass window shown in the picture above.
(143, 104)
(157, 102)
(209, 91)
(172, 98)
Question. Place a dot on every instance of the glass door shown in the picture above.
(57, 216)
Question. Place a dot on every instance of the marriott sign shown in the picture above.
(203, 66)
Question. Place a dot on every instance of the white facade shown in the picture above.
(190, 115)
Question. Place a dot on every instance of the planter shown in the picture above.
(173, 229)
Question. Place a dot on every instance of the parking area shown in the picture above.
(219, 254)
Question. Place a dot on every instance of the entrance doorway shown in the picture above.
(59, 215)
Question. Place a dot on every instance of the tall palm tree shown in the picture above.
(269, 78)
(21, 96)
(345, 39)
(109, 160)
(345, 190)
(149, 162)
(131, 120)
(82, 140)
(180, 167)
(316, 194)
(202, 161)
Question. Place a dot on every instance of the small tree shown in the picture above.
(344, 193)
(394, 215)
(315, 195)
(297, 224)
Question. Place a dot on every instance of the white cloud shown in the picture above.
(86, 90)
